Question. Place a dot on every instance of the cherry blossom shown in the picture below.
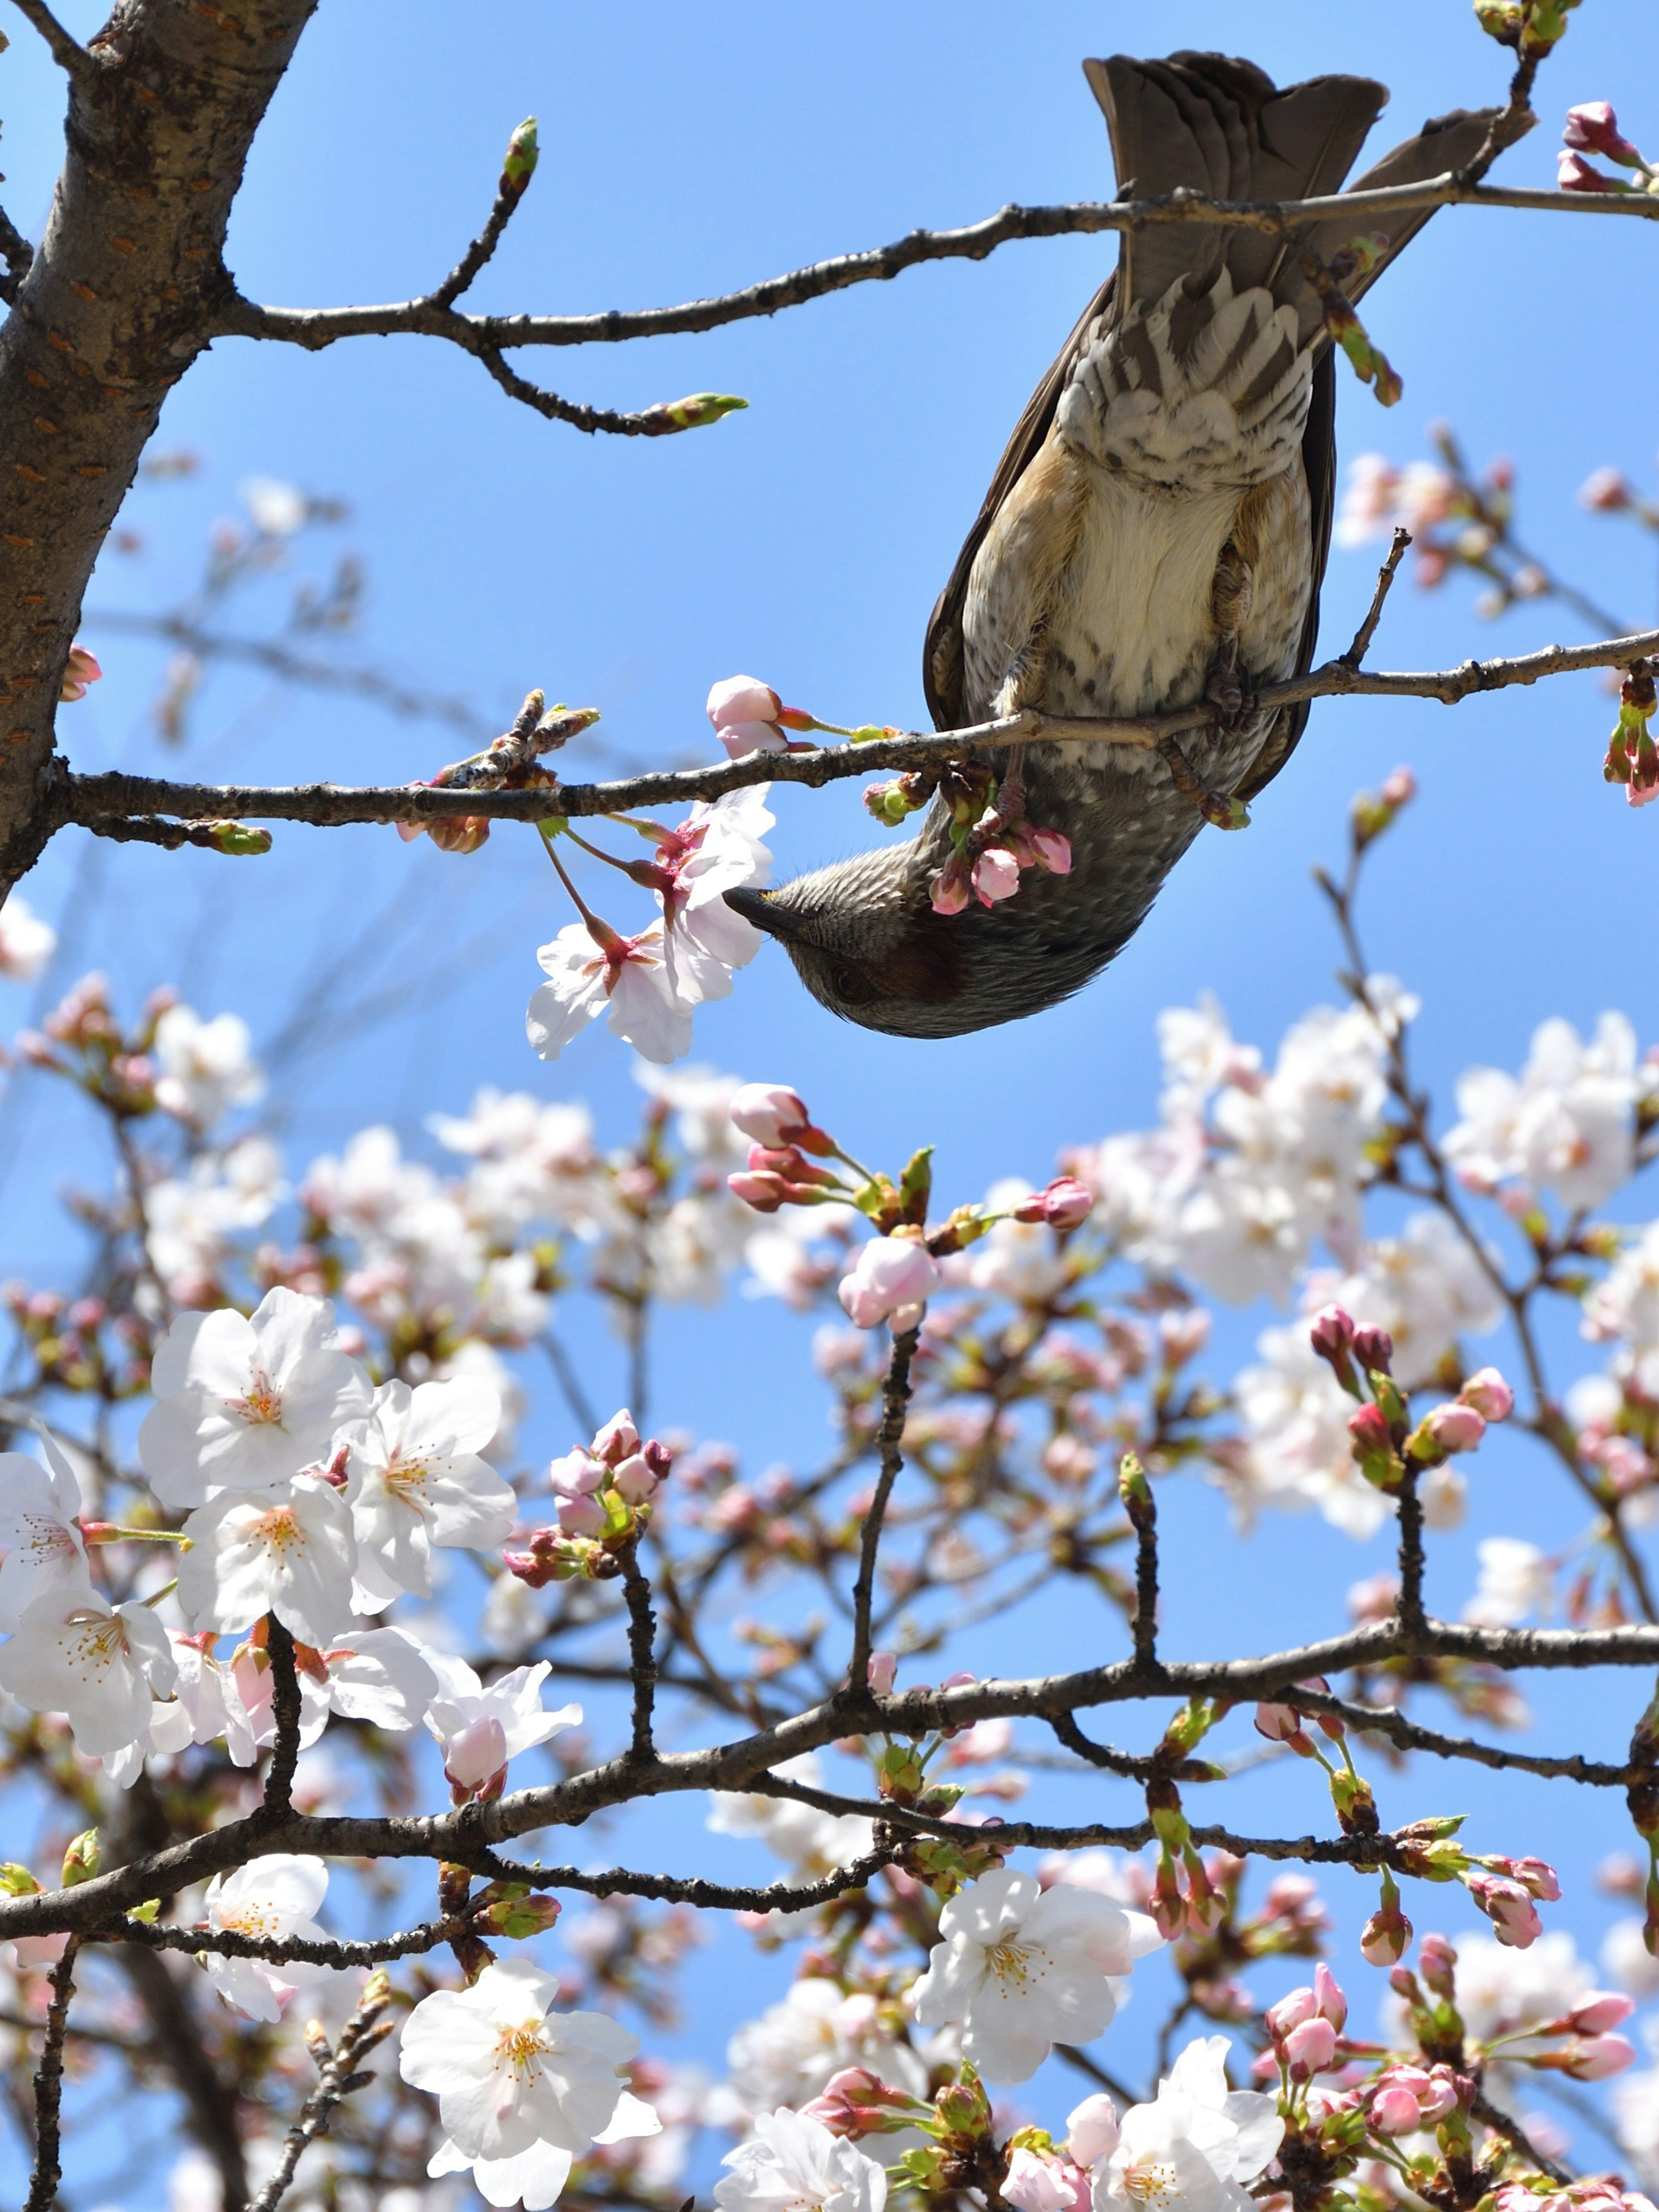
(43, 1553)
(791, 2163)
(634, 976)
(795, 2049)
(536, 2176)
(205, 1067)
(244, 1404)
(416, 1479)
(1567, 1124)
(276, 1896)
(1516, 1579)
(96, 1662)
(509, 2072)
(890, 1280)
(1023, 1968)
(380, 1675)
(81, 671)
(26, 943)
(745, 713)
(211, 1697)
(1192, 2148)
(292, 1555)
(480, 1729)
(1038, 2183)
(717, 848)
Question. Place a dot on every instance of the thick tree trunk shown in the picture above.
(162, 109)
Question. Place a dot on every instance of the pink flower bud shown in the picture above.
(1436, 1961)
(80, 670)
(1399, 788)
(1310, 2048)
(634, 1479)
(578, 1474)
(1035, 2184)
(1509, 1907)
(1536, 1876)
(996, 876)
(1573, 173)
(1599, 2010)
(1395, 2111)
(1332, 2005)
(765, 1193)
(1454, 1427)
(617, 1440)
(1374, 1349)
(769, 1114)
(1290, 2012)
(882, 1672)
(743, 699)
(477, 1753)
(1332, 1332)
(889, 1275)
(1605, 491)
(1052, 850)
(1593, 128)
(742, 738)
(1596, 2057)
(1092, 2131)
(580, 1516)
(1384, 1938)
(950, 888)
(1489, 1394)
(1066, 1204)
(1279, 1723)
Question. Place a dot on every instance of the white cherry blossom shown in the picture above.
(1566, 1125)
(1192, 2148)
(42, 1551)
(206, 1066)
(211, 1697)
(275, 1897)
(649, 1004)
(716, 848)
(96, 1662)
(291, 1554)
(788, 2053)
(380, 1675)
(1023, 1968)
(794, 2164)
(480, 1729)
(1625, 1308)
(535, 2177)
(26, 943)
(508, 2072)
(416, 1479)
(1516, 1579)
(245, 1404)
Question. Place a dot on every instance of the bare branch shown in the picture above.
(17, 253)
(68, 53)
(666, 419)
(49, 2087)
(1514, 2133)
(889, 1445)
(339, 2078)
(1385, 576)
(642, 1650)
(285, 1706)
(92, 800)
(321, 326)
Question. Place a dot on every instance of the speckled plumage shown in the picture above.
(1159, 522)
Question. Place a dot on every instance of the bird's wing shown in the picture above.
(942, 662)
(1446, 143)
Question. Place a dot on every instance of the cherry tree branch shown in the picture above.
(890, 1443)
(94, 802)
(316, 327)
(70, 56)
(338, 2077)
(49, 2088)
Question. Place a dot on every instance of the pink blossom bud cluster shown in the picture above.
(855, 2102)
(1380, 1439)
(890, 1280)
(1593, 128)
(1281, 1722)
(781, 1130)
(749, 717)
(1306, 2026)
(1404, 2098)
(1066, 1204)
(991, 872)
(605, 1492)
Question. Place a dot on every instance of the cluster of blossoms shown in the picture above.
(991, 839)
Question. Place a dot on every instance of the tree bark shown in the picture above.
(162, 109)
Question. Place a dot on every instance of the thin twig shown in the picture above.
(89, 799)
(1414, 1620)
(1513, 2132)
(460, 279)
(338, 2078)
(642, 1650)
(1385, 576)
(285, 1706)
(68, 53)
(315, 327)
(18, 255)
(890, 1446)
(49, 2087)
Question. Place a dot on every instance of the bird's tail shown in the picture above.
(1221, 127)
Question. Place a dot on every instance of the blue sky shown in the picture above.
(803, 541)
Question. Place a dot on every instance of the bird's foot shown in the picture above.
(1218, 808)
(1228, 689)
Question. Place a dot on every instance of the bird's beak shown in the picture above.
(760, 908)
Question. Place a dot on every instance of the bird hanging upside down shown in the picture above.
(1154, 537)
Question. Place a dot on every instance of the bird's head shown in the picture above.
(866, 943)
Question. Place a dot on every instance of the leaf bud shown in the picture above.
(81, 1859)
(518, 168)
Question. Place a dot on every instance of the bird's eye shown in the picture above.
(852, 985)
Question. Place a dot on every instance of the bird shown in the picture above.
(1154, 537)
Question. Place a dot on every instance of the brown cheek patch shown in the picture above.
(928, 963)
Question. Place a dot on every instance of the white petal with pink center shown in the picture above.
(1194, 2146)
(42, 1553)
(508, 2072)
(273, 1898)
(95, 1662)
(465, 1707)
(1023, 1968)
(245, 1404)
(791, 2163)
(416, 1479)
(535, 2177)
(293, 1556)
(645, 1005)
